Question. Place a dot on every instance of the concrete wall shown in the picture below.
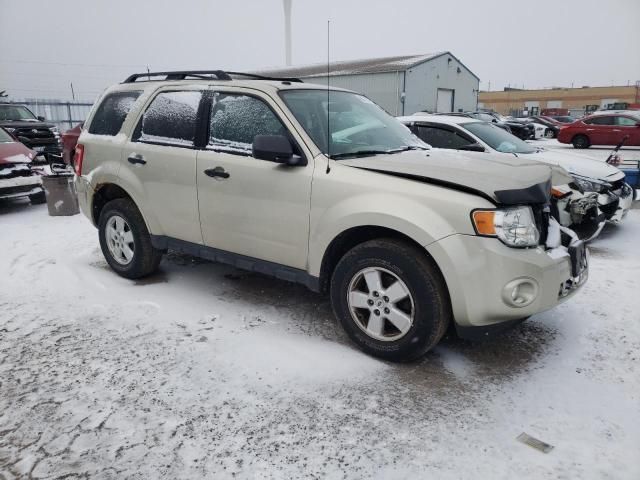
(382, 88)
(424, 80)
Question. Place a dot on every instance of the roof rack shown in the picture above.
(201, 74)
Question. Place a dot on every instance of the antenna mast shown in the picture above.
(328, 112)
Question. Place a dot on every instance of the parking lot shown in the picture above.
(202, 370)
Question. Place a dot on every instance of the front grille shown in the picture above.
(14, 170)
(33, 133)
(16, 189)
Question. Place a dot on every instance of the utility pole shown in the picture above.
(287, 31)
(73, 94)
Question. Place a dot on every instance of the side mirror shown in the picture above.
(275, 148)
(472, 147)
(41, 118)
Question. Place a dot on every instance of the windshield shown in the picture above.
(356, 124)
(497, 138)
(5, 137)
(16, 112)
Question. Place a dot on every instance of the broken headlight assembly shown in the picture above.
(587, 184)
(515, 227)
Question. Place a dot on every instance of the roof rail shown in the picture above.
(202, 74)
(255, 76)
(180, 75)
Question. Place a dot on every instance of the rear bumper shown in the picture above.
(481, 274)
(85, 194)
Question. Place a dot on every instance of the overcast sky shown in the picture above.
(93, 43)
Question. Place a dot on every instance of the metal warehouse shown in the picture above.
(402, 85)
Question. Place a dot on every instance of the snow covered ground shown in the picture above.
(203, 371)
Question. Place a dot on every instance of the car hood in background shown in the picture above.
(15, 152)
(501, 179)
(579, 165)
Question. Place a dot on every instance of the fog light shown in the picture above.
(520, 292)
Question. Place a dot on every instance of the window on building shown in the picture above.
(237, 119)
(112, 112)
(170, 119)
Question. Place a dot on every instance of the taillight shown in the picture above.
(78, 158)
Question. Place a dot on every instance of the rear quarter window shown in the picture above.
(111, 113)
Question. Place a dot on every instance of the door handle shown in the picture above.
(217, 172)
(136, 158)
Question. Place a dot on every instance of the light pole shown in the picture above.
(287, 31)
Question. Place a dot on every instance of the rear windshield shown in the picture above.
(111, 113)
(498, 138)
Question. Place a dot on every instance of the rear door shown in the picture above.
(252, 207)
(628, 127)
(160, 161)
(441, 136)
(601, 130)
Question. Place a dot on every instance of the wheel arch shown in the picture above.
(106, 192)
(351, 237)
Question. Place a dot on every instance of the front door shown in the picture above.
(247, 206)
(160, 162)
(601, 130)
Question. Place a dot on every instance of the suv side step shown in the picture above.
(243, 262)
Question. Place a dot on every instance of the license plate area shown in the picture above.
(579, 261)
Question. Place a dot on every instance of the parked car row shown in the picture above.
(34, 132)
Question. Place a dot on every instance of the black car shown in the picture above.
(552, 129)
(32, 131)
(522, 130)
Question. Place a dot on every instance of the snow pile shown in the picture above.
(202, 371)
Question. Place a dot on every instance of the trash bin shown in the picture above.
(61, 194)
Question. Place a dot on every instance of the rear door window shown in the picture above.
(605, 120)
(626, 121)
(112, 112)
(170, 119)
(236, 120)
(441, 138)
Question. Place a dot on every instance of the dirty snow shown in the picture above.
(203, 371)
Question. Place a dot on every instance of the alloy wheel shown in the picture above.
(120, 240)
(380, 304)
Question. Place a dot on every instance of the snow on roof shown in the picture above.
(350, 67)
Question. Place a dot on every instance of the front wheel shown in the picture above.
(581, 141)
(125, 240)
(391, 299)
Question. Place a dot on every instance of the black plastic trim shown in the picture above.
(486, 332)
(243, 262)
(538, 193)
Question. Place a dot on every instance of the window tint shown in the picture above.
(626, 121)
(441, 138)
(605, 120)
(171, 118)
(111, 113)
(237, 119)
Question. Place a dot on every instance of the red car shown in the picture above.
(17, 179)
(602, 129)
(69, 141)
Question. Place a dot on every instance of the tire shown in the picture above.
(144, 258)
(427, 300)
(38, 198)
(580, 141)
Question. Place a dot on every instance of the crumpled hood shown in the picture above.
(579, 164)
(503, 180)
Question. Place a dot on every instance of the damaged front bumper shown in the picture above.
(19, 181)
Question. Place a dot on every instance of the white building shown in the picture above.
(402, 85)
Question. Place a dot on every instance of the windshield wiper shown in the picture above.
(359, 153)
(364, 153)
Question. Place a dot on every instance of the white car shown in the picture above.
(613, 194)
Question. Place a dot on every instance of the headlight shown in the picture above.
(515, 227)
(591, 184)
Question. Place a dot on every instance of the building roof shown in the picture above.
(353, 67)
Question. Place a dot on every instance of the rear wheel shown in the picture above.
(391, 299)
(581, 141)
(125, 240)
